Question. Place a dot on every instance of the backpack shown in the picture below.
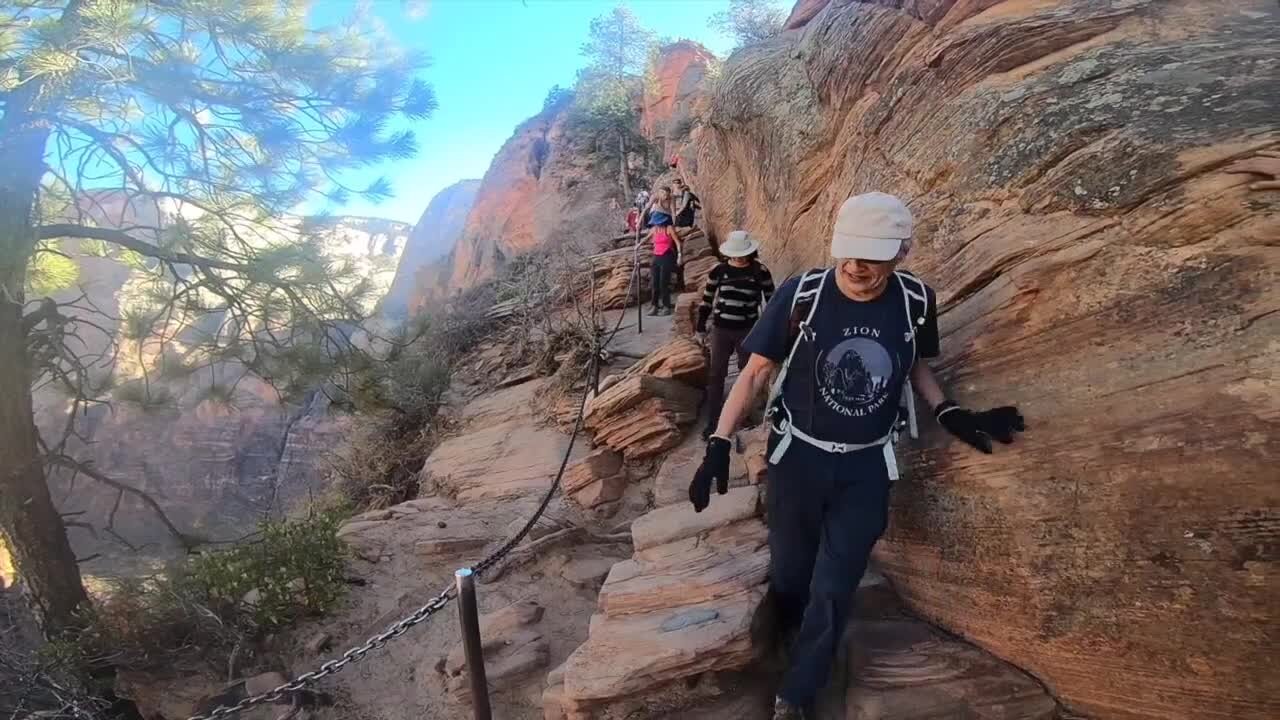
(804, 308)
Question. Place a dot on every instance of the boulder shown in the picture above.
(602, 491)
(594, 467)
(681, 359)
(642, 415)
(1066, 162)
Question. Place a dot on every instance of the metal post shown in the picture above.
(469, 615)
(635, 264)
(595, 334)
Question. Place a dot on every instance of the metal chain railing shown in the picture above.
(440, 601)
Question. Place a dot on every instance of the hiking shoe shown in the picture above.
(654, 312)
(664, 311)
(783, 710)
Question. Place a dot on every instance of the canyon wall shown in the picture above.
(1096, 266)
(548, 186)
(215, 465)
(672, 97)
(430, 242)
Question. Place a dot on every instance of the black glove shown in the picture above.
(715, 465)
(977, 428)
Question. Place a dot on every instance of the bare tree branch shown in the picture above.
(85, 469)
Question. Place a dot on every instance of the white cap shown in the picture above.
(870, 227)
(739, 244)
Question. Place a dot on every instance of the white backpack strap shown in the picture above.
(912, 288)
(805, 329)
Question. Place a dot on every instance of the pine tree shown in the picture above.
(617, 50)
(226, 113)
(750, 21)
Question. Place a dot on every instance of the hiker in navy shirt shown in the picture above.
(846, 343)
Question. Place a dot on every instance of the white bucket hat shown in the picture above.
(870, 227)
(739, 244)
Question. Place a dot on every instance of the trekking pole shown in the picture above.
(468, 614)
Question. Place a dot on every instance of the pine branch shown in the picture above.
(127, 241)
(88, 471)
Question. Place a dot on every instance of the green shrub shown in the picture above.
(292, 568)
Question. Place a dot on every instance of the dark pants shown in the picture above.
(826, 512)
(664, 266)
(724, 345)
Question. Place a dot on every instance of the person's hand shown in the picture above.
(715, 466)
(977, 428)
(1265, 164)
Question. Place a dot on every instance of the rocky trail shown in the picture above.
(622, 602)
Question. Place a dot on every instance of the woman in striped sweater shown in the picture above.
(736, 290)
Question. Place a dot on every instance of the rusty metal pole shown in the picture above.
(469, 615)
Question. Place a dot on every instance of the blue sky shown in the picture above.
(492, 63)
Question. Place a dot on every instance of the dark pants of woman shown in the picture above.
(724, 345)
(664, 266)
(826, 512)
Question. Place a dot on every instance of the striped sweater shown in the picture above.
(733, 296)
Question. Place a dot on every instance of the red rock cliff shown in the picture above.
(1095, 266)
(543, 187)
(430, 242)
(670, 97)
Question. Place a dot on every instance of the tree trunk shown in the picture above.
(29, 521)
(624, 173)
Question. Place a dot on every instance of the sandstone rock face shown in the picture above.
(668, 102)
(596, 479)
(429, 243)
(541, 190)
(904, 670)
(1094, 266)
(500, 452)
(688, 602)
(645, 412)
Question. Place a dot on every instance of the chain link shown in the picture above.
(332, 667)
(438, 603)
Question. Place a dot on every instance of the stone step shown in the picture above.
(647, 652)
(724, 562)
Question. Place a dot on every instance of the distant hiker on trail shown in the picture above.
(686, 204)
(736, 289)
(848, 344)
(642, 201)
(633, 220)
(666, 250)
